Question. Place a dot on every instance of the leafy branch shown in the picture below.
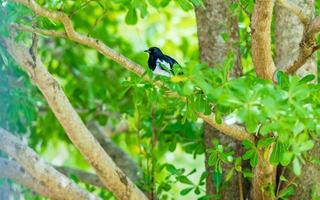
(234, 131)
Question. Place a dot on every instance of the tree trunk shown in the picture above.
(264, 172)
(289, 32)
(212, 21)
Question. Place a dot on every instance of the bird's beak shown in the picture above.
(147, 51)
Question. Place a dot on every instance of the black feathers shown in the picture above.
(159, 63)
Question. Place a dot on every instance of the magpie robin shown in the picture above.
(160, 63)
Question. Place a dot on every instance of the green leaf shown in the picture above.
(248, 144)
(248, 154)
(254, 160)
(263, 143)
(307, 78)
(282, 79)
(196, 3)
(286, 192)
(217, 180)
(247, 173)
(188, 88)
(197, 191)
(275, 155)
(282, 178)
(154, 3)
(286, 158)
(296, 167)
(200, 104)
(186, 191)
(164, 3)
(229, 174)
(131, 17)
(307, 145)
(185, 5)
(184, 179)
(237, 164)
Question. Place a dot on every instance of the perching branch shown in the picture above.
(110, 53)
(82, 39)
(12, 170)
(112, 177)
(59, 184)
(295, 10)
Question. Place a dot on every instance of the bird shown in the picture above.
(160, 63)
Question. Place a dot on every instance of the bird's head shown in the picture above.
(154, 51)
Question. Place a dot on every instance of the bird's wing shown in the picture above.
(162, 68)
(170, 60)
(164, 64)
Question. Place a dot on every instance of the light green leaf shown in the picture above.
(131, 17)
(296, 167)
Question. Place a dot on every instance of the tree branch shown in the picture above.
(108, 52)
(112, 177)
(308, 43)
(308, 46)
(295, 10)
(120, 157)
(12, 170)
(261, 39)
(235, 131)
(83, 176)
(24, 28)
(82, 39)
(59, 184)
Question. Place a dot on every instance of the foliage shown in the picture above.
(285, 115)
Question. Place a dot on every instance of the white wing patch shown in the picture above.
(159, 71)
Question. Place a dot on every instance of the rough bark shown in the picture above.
(264, 175)
(212, 21)
(112, 177)
(289, 32)
(59, 184)
(261, 39)
(120, 157)
(12, 170)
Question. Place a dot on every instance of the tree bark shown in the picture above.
(264, 172)
(12, 170)
(212, 22)
(264, 175)
(289, 32)
(58, 184)
(261, 39)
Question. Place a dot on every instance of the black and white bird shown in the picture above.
(160, 63)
